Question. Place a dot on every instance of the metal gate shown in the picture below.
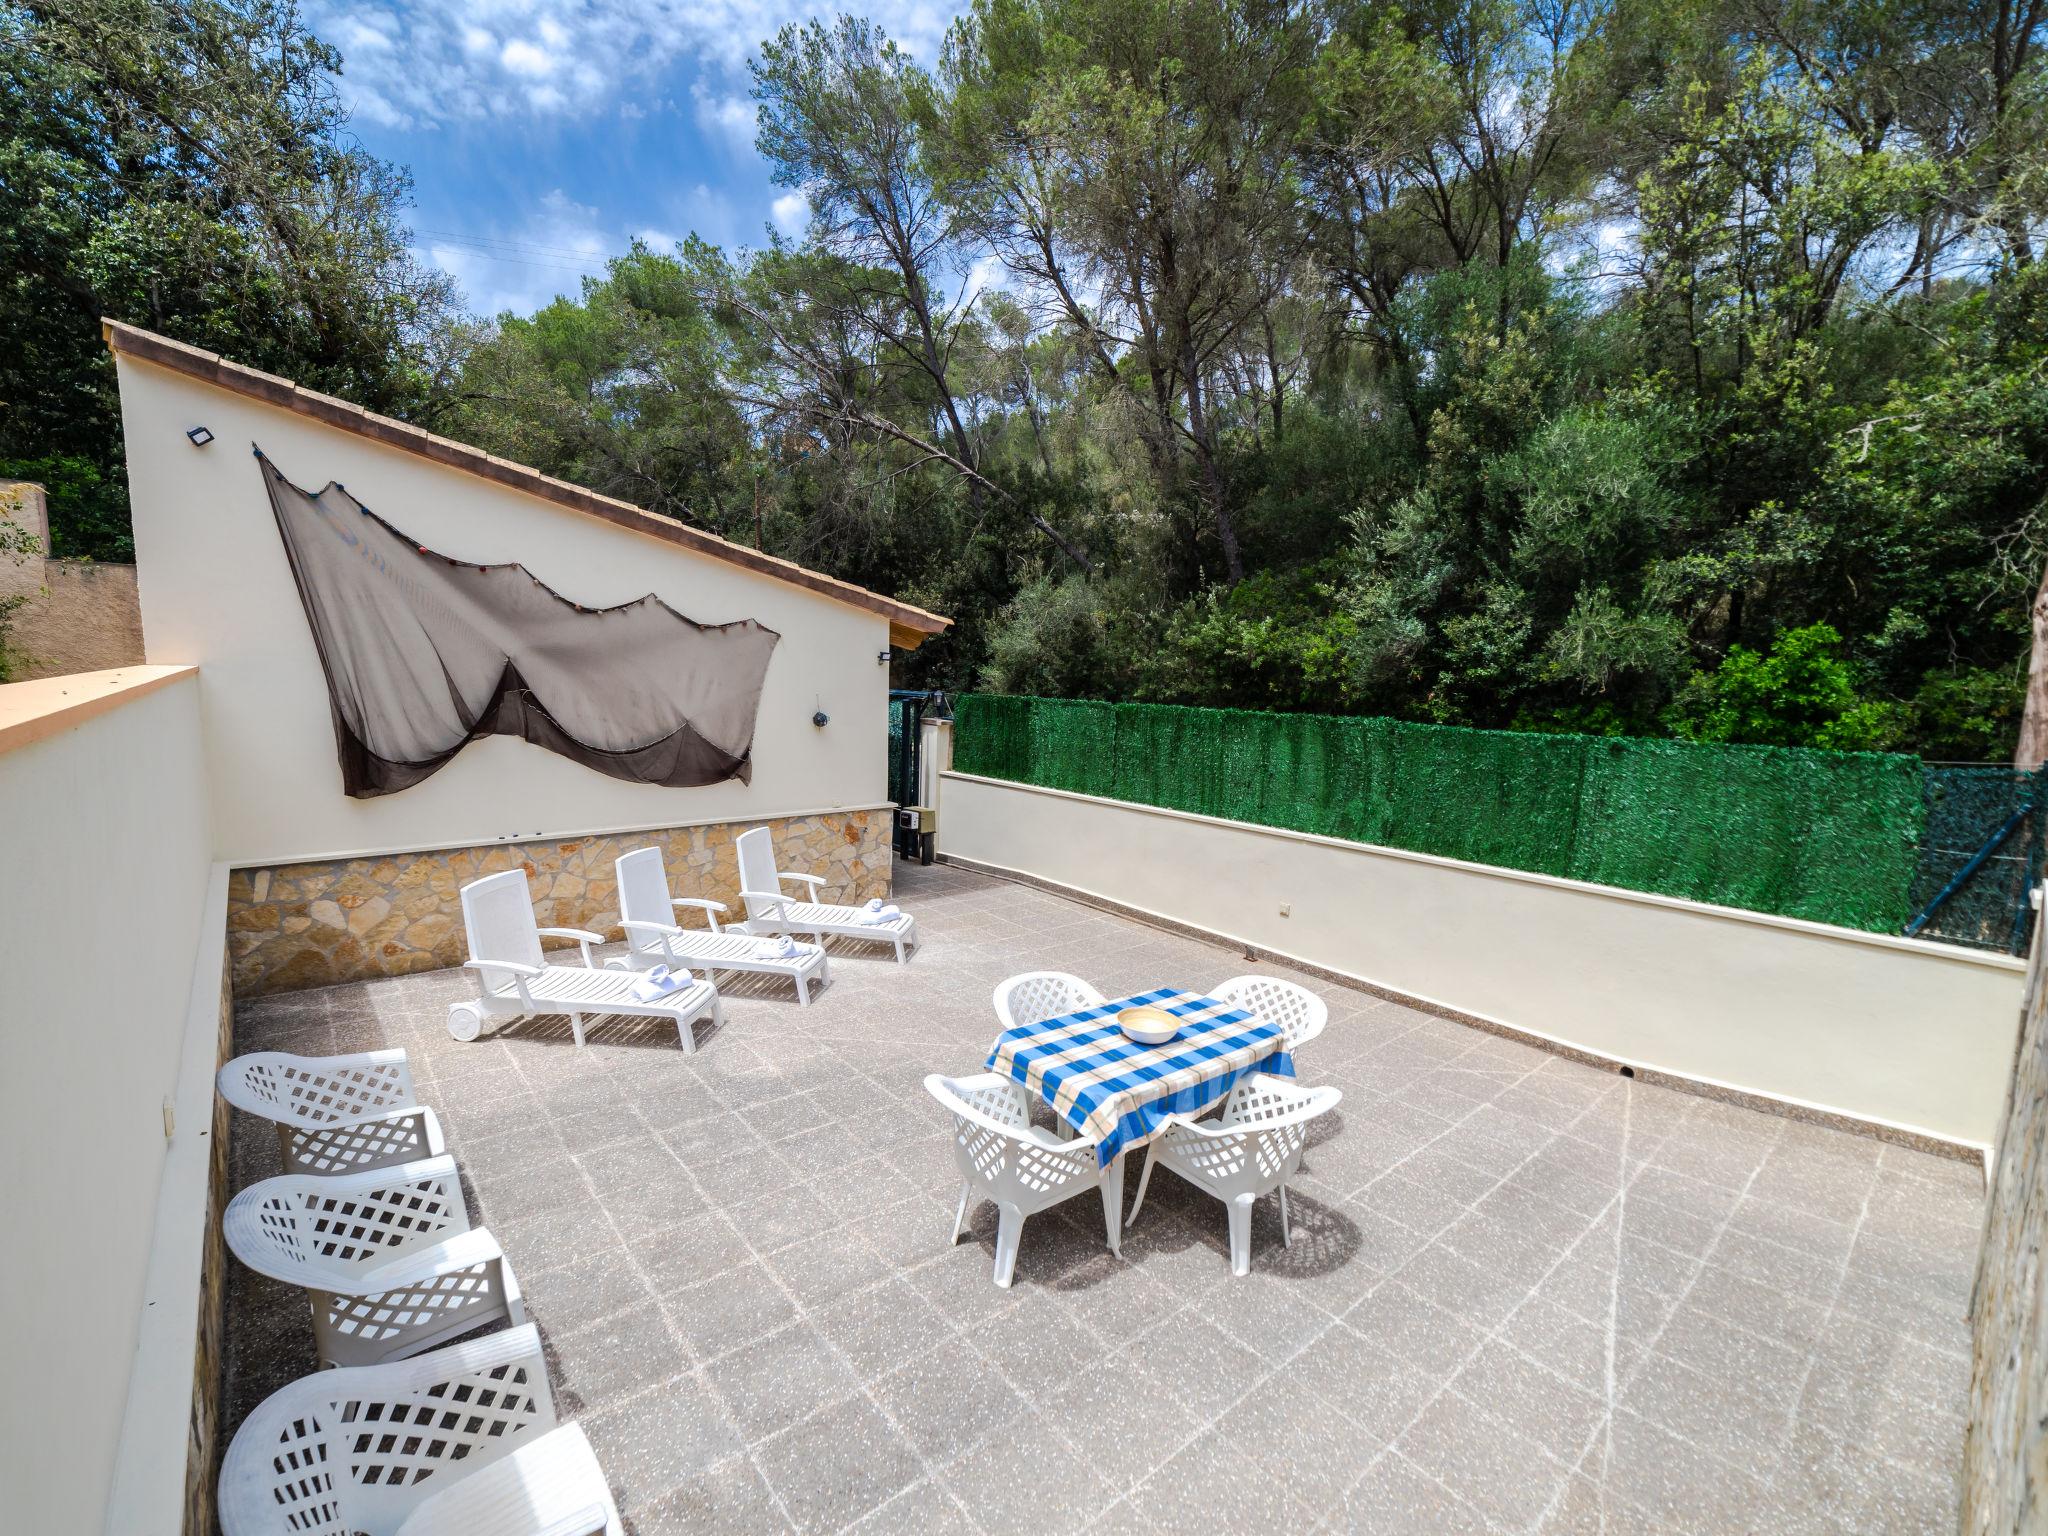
(907, 711)
(1980, 856)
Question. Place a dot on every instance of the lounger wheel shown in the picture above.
(465, 1021)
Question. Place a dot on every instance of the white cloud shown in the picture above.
(791, 212)
(726, 116)
(415, 63)
(525, 264)
(365, 37)
(528, 59)
(986, 272)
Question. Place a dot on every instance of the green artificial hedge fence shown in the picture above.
(1831, 836)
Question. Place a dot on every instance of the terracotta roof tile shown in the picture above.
(908, 626)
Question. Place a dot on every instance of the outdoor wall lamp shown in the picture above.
(819, 717)
(199, 435)
(882, 657)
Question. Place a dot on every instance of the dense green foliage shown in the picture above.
(1830, 836)
(1602, 367)
(182, 164)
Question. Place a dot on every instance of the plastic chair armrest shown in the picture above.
(1208, 1128)
(458, 1251)
(518, 970)
(583, 936)
(710, 909)
(1081, 1143)
(813, 881)
(516, 967)
(661, 930)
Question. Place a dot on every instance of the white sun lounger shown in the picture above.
(647, 914)
(769, 911)
(514, 979)
(388, 1259)
(461, 1440)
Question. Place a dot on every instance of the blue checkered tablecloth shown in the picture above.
(1111, 1088)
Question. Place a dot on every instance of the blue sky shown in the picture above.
(544, 135)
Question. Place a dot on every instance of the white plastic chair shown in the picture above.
(1252, 1147)
(1300, 1014)
(769, 911)
(387, 1258)
(335, 1114)
(515, 980)
(647, 914)
(1010, 1161)
(463, 1440)
(1035, 996)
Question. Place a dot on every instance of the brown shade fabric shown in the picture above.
(424, 653)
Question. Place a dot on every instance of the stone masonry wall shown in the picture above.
(309, 925)
(74, 615)
(2005, 1449)
(203, 1448)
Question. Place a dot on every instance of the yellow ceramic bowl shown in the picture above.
(1148, 1025)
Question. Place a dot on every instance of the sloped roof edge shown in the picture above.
(908, 626)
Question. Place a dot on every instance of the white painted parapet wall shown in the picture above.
(1895, 1032)
(111, 939)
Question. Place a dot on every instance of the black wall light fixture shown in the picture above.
(199, 435)
(819, 717)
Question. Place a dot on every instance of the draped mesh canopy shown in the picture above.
(424, 653)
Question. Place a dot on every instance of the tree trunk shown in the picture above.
(1205, 463)
(933, 361)
(2033, 747)
(1273, 368)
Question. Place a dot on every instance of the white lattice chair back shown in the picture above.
(497, 915)
(997, 1150)
(355, 1450)
(387, 1258)
(1257, 1141)
(1035, 996)
(317, 1090)
(334, 1114)
(1300, 1014)
(643, 897)
(756, 849)
(319, 1231)
(1252, 1148)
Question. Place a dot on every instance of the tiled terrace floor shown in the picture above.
(1524, 1295)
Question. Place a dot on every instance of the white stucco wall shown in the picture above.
(216, 591)
(1887, 1030)
(103, 918)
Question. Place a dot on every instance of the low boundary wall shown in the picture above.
(1901, 1038)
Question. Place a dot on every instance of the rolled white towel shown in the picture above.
(781, 947)
(659, 982)
(872, 905)
(878, 912)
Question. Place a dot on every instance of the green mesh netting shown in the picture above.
(1831, 836)
(1967, 806)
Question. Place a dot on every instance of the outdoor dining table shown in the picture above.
(1101, 1084)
